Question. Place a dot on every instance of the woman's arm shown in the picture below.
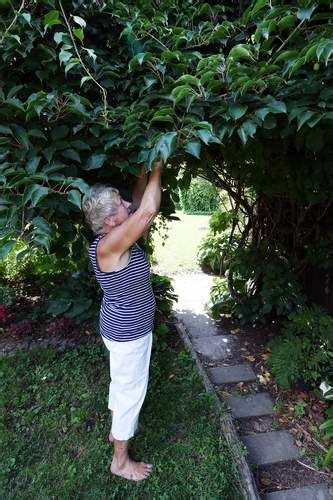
(123, 236)
(139, 189)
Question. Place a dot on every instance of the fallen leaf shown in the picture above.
(265, 481)
(234, 331)
(249, 358)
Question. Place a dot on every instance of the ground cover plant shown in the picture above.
(55, 426)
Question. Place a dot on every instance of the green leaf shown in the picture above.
(6, 248)
(206, 136)
(35, 193)
(258, 6)
(58, 306)
(5, 130)
(80, 184)
(27, 17)
(188, 80)
(236, 111)
(51, 18)
(78, 32)
(261, 113)
(32, 164)
(286, 22)
(193, 148)
(305, 14)
(178, 93)
(71, 154)
(329, 457)
(303, 118)
(241, 52)
(74, 196)
(64, 56)
(95, 161)
(81, 22)
(42, 225)
(85, 79)
(165, 144)
(58, 36)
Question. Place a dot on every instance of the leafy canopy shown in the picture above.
(89, 90)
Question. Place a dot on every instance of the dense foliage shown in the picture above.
(305, 350)
(237, 92)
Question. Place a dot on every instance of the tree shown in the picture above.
(236, 92)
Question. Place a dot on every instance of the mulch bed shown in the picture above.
(27, 327)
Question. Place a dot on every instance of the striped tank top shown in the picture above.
(128, 306)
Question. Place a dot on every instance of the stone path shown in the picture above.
(215, 347)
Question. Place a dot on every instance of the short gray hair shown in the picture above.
(99, 202)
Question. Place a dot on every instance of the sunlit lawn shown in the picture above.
(179, 252)
(56, 421)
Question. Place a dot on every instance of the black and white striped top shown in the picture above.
(128, 305)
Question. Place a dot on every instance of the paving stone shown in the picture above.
(216, 348)
(253, 405)
(270, 447)
(314, 492)
(231, 374)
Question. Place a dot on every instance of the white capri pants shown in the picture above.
(129, 372)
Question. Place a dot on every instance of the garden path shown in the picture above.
(216, 351)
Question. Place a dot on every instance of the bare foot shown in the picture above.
(134, 471)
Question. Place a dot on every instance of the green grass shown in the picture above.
(56, 422)
(179, 252)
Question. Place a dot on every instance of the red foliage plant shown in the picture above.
(4, 313)
(24, 326)
(60, 325)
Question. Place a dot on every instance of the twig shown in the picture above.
(287, 39)
(312, 468)
(104, 93)
(13, 22)
(312, 438)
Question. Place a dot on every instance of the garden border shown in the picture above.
(246, 482)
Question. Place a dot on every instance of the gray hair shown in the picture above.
(99, 202)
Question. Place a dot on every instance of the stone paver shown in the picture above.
(216, 348)
(313, 492)
(191, 305)
(231, 374)
(254, 405)
(270, 447)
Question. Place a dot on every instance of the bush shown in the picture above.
(216, 249)
(164, 294)
(200, 197)
(304, 350)
(265, 283)
(7, 295)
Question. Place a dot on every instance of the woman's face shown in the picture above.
(123, 211)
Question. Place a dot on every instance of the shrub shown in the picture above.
(264, 282)
(7, 295)
(164, 294)
(304, 350)
(200, 197)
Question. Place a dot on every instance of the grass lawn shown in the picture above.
(55, 425)
(179, 252)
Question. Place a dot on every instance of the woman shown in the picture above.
(128, 306)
